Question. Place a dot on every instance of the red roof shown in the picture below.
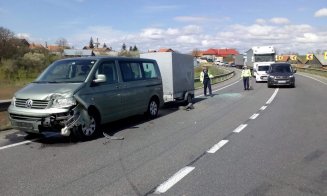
(220, 52)
(165, 50)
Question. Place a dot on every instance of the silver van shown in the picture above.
(77, 95)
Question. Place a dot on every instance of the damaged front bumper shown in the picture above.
(49, 120)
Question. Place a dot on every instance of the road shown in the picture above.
(258, 142)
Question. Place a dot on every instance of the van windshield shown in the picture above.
(66, 71)
(281, 69)
(263, 68)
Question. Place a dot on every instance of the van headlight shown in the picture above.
(13, 101)
(63, 102)
(272, 77)
(291, 76)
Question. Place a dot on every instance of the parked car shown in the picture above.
(77, 95)
(281, 74)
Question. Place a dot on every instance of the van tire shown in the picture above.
(84, 133)
(153, 108)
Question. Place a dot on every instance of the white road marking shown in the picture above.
(27, 141)
(272, 96)
(263, 108)
(173, 180)
(17, 144)
(313, 78)
(217, 146)
(219, 89)
(240, 128)
(254, 116)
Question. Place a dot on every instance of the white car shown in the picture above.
(261, 73)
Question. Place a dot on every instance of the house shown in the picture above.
(166, 50)
(322, 60)
(211, 53)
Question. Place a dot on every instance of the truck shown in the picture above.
(239, 61)
(177, 73)
(259, 58)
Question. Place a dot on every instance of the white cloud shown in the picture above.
(191, 19)
(320, 13)
(279, 21)
(308, 38)
(261, 21)
(160, 8)
(23, 35)
(297, 38)
(152, 33)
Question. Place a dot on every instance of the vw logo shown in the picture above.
(29, 103)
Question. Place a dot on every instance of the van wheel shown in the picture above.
(269, 86)
(86, 132)
(153, 109)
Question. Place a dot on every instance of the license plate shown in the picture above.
(24, 125)
(281, 82)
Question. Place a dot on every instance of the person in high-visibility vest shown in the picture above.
(205, 78)
(246, 74)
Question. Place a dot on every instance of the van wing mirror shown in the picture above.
(294, 70)
(101, 78)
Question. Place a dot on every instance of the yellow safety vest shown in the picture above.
(246, 73)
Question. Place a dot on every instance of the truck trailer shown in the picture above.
(177, 72)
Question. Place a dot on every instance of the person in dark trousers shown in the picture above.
(205, 78)
(246, 74)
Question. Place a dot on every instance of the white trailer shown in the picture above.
(260, 56)
(177, 72)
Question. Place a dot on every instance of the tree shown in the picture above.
(104, 45)
(123, 48)
(7, 43)
(135, 48)
(62, 43)
(91, 45)
(130, 48)
(196, 53)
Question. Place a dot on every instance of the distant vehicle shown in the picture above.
(261, 73)
(239, 61)
(260, 55)
(281, 74)
(77, 95)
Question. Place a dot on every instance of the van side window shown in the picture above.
(149, 70)
(131, 71)
(109, 70)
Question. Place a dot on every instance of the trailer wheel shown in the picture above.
(189, 99)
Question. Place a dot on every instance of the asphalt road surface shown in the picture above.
(258, 142)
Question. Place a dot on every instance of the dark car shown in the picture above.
(281, 74)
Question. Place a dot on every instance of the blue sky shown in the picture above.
(290, 25)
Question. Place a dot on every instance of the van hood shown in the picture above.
(44, 91)
(281, 73)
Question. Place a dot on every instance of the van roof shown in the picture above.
(107, 58)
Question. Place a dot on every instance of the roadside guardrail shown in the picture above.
(4, 104)
(216, 79)
(314, 71)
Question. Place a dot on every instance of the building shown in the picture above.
(212, 53)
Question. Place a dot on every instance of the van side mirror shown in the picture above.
(294, 70)
(101, 78)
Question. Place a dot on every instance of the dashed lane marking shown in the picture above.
(217, 146)
(240, 128)
(173, 180)
(254, 116)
